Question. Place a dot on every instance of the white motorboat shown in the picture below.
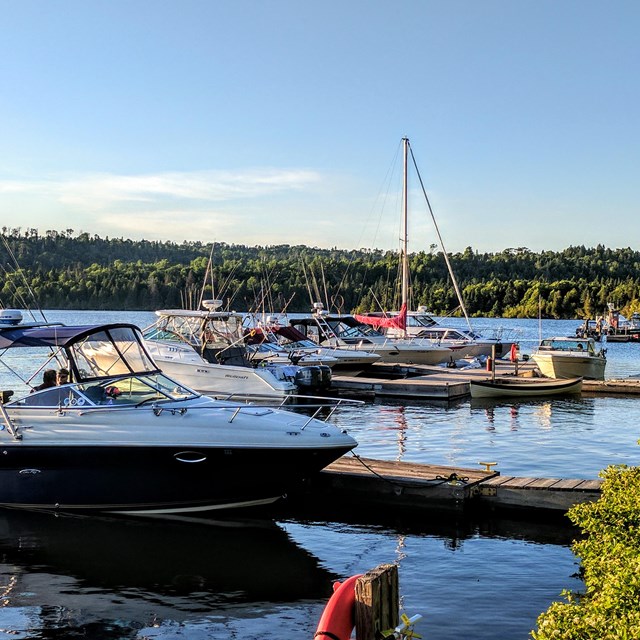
(345, 332)
(562, 357)
(296, 345)
(124, 437)
(463, 344)
(467, 343)
(206, 350)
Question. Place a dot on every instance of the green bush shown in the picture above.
(609, 608)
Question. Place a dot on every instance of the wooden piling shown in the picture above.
(377, 602)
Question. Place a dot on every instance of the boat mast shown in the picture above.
(405, 232)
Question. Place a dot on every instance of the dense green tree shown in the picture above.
(59, 270)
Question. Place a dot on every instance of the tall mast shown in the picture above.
(405, 255)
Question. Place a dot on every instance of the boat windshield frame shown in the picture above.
(120, 391)
(351, 328)
(569, 345)
(215, 329)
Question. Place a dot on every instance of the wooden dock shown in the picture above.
(445, 384)
(390, 485)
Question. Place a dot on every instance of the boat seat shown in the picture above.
(95, 393)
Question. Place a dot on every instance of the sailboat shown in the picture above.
(407, 324)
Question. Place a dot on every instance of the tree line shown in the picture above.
(64, 270)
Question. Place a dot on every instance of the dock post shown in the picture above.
(377, 602)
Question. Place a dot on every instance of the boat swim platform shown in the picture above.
(392, 485)
(432, 382)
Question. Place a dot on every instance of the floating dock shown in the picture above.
(448, 384)
(390, 485)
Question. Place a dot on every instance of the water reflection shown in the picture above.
(396, 419)
(544, 412)
(148, 569)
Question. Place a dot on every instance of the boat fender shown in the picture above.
(337, 620)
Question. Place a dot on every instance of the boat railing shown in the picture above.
(11, 428)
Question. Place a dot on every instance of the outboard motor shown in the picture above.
(316, 377)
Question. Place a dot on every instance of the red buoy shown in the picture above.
(337, 619)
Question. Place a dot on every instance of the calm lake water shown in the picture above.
(261, 576)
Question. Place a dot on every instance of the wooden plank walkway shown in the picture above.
(434, 386)
(441, 383)
(388, 484)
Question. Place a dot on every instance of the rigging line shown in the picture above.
(444, 251)
(379, 202)
(204, 284)
(324, 283)
(306, 280)
(287, 303)
(16, 292)
(26, 282)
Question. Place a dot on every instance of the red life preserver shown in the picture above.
(513, 355)
(337, 619)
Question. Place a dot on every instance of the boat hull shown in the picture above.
(524, 387)
(554, 365)
(229, 380)
(156, 479)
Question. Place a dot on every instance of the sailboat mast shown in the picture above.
(405, 231)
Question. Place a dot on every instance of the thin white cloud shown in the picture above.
(96, 192)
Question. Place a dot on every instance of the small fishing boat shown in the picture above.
(519, 387)
(121, 436)
(562, 357)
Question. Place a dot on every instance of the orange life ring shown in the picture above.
(337, 620)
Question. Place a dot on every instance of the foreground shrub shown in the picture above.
(609, 608)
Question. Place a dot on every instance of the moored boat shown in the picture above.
(520, 387)
(207, 350)
(346, 332)
(124, 437)
(562, 357)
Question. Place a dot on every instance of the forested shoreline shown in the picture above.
(64, 270)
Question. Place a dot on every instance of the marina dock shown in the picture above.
(392, 485)
(448, 384)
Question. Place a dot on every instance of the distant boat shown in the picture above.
(295, 344)
(465, 343)
(346, 332)
(518, 387)
(569, 358)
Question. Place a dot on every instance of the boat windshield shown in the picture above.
(299, 344)
(265, 347)
(126, 390)
(353, 330)
(422, 320)
(579, 346)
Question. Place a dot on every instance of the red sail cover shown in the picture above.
(397, 322)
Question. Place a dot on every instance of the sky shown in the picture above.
(269, 122)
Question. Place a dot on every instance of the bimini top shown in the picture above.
(50, 335)
(92, 351)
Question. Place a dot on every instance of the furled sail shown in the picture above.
(397, 322)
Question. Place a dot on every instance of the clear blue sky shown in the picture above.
(277, 122)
